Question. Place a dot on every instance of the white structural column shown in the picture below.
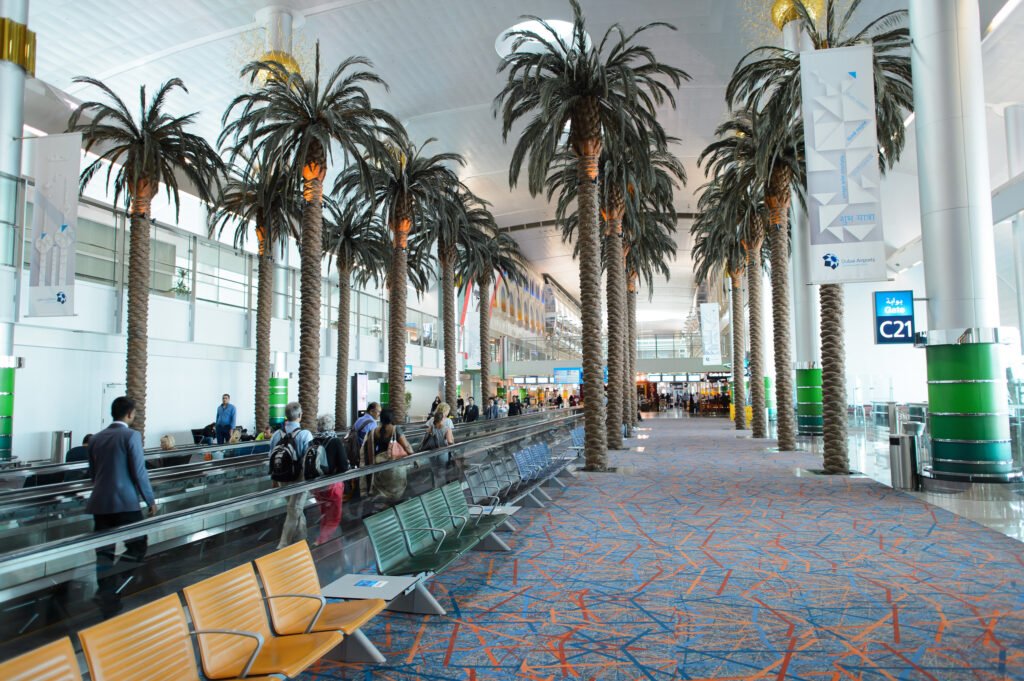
(12, 103)
(966, 382)
(953, 169)
(17, 55)
(1014, 119)
(806, 304)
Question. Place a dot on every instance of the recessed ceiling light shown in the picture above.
(562, 29)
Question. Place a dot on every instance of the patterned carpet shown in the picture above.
(708, 558)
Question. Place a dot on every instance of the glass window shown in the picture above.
(282, 292)
(221, 276)
(170, 264)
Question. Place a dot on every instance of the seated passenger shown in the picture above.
(79, 453)
(265, 434)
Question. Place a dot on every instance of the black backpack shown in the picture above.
(324, 456)
(351, 446)
(285, 465)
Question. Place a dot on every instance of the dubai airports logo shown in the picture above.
(61, 297)
(831, 260)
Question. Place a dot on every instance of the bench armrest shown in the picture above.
(432, 530)
(237, 632)
(316, 617)
(497, 502)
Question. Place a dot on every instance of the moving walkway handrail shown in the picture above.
(75, 486)
(27, 557)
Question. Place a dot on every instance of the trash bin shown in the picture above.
(903, 456)
(61, 445)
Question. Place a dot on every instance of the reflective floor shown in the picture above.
(998, 507)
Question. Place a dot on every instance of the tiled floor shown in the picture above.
(707, 557)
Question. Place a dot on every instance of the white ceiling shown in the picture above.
(438, 58)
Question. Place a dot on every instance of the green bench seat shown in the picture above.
(392, 551)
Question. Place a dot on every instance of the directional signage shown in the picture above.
(894, 317)
(568, 375)
(408, 373)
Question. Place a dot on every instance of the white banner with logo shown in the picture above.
(843, 179)
(711, 334)
(51, 291)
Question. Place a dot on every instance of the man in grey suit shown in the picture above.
(118, 472)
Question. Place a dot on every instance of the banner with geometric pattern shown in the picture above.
(51, 287)
(843, 178)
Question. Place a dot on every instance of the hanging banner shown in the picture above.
(51, 283)
(843, 180)
(710, 333)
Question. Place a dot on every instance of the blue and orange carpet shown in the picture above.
(706, 557)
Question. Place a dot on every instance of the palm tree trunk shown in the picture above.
(310, 286)
(631, 354)
(778, 242)
(616, 302)
(344, 321)
(590, 298)
(754, 273)
(485, 340)
(739, 394)
(138, 301)
(833, 379)
(397, 334)
(448, 309)
(264, 314)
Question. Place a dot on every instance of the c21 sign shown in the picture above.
(894, 317)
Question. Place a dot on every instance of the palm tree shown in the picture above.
(410, 189)
(633, 178)
(152, 149)
(650, 246)
(292, 122)
(462, 211)
(719, 244)
(484, 251)
(599, 94)
(733, 156)
(769, 78)
(356, 239)
(259, 198)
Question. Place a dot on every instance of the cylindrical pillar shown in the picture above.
(1014, 121)
(278, 397)
(966, 381)
(806, 305)
(7, 367)
(17, 60)
(809, 407)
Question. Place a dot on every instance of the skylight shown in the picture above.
(503, 45)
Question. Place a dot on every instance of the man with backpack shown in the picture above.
(354, 442)
(287, 447)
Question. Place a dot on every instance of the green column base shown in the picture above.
(6, 413)
(968, 416)
(278, 398)
(809, 407)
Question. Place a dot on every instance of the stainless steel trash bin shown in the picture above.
(897, 472)
(61, 445)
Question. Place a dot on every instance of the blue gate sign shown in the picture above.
(408, 373)
(894, 317)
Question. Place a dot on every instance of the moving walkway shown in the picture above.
(47, 588)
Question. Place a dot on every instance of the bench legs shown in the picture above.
(530, 501)
(538, 490)
(418, 601)
(492, 542)
(553, 481)
(567, 473)
(356, 648)
(507, 526)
